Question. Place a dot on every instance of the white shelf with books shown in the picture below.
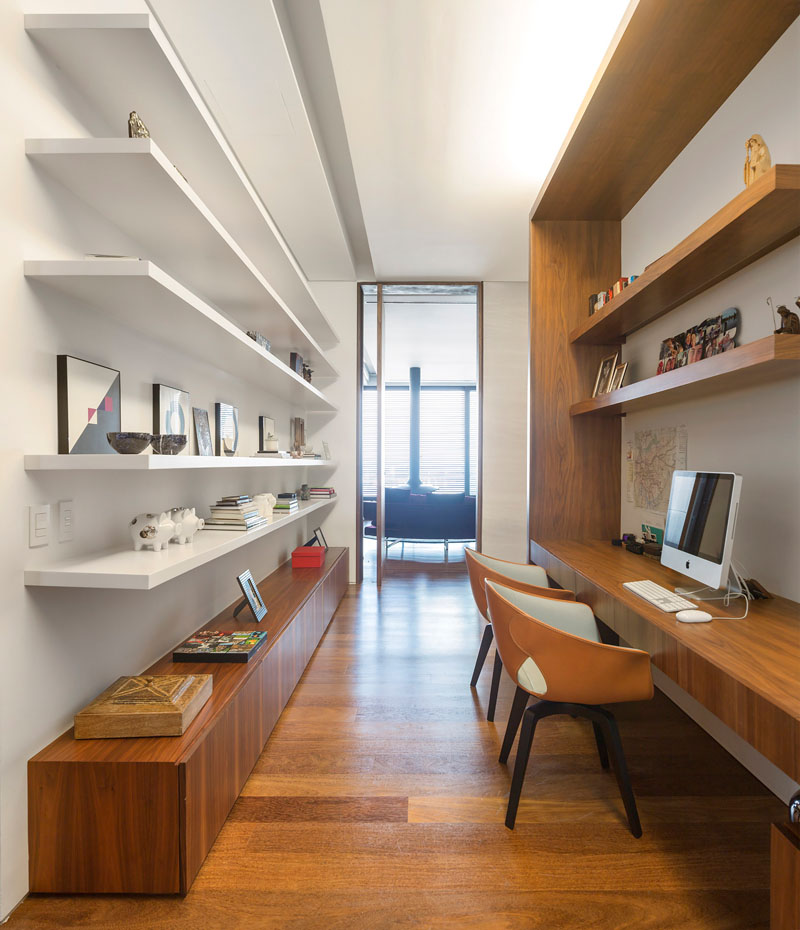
(142, 296)
(146, 462)
(124, 569)
(177, 230)
(121, 61)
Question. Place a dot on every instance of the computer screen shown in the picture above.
(701, 518)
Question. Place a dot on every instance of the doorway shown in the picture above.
(419, 414)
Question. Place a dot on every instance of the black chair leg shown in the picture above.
(621, 771)
(518, 706)
(529, 722)
(601, 744)
(488, 636)
(497, 671)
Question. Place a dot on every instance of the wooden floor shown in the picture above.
(379, 803)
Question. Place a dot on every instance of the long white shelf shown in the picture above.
(122, 61)
(149, 462)
(134, 185)
(144, 297)
(125, 569)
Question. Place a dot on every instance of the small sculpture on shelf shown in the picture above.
(150, 529)
(187, 523)
(136, 128)
(757, 159)
(307, 372)
(790, 321)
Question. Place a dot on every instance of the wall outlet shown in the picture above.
(39, 526)
(66, 517)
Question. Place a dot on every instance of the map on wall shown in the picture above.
(651, 458)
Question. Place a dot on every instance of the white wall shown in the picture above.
(61, 647)
(505, 419)
(754, 431)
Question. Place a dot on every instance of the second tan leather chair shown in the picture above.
(530, 579)
(552, 651)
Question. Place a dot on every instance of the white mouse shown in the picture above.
(692, 616)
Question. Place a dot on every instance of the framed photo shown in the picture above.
(266, 429)
(252, 596)
(618, 377)
(202, 431)
(320, 538)
(226, 419)
(326, 452)
(88, 405)
(604, 374)
(171, 407)
(298, 433)
(296, 363)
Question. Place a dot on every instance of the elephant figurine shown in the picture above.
(151, 529)
(187, 523)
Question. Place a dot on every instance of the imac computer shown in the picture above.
(701, 521)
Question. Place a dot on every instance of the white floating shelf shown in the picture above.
(119, 61)
(144, 297)
(134, 185)
(149, 462)
(125, 569)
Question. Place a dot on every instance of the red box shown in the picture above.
(308, 557)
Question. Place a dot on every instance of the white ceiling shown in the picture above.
(396, 139)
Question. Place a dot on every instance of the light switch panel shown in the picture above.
(66, 528)
(39, 526)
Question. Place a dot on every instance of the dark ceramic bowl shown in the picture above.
(168, 443)
(129, 443)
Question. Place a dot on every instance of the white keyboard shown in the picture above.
(654, 594)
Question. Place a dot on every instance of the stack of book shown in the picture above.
(235, 512)
(322, 493)
(286, 503)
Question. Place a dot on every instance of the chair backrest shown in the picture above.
(529, 578)
(552, 649)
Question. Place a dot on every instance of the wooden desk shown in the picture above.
(746, 672)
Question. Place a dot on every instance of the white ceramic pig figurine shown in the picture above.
(187, 523)
(152, 529)
(264, 504)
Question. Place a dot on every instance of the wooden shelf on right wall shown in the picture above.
(759, 219)
(764, 360)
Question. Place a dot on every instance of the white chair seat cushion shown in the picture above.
(527, 574)
(569, 616)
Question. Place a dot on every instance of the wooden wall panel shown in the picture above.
(785, 877)
(575, 464)
(103, 827)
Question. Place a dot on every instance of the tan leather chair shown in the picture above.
(552, 651)
(531, 579)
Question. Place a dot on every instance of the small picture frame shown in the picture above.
(88, 406)
(605, 372)
(618, 377)
(266, 430)
(252, 596)
(171, 408)
(319, 536)
(296, 363)
(326, 452)
(227, 429)
(298, 433)
(202, 431)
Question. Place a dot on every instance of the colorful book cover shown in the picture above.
(216, 646)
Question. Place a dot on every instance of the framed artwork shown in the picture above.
(298, 433)
(326, 452)
(227, 429)
(88, 406)
(266, 428)
(604, 374)
(171, 408)
(618, 377)
(296, 363)
(202, 431)
(252, 596)
(320, 538)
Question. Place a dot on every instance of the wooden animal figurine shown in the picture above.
(136, 128)
(790, 321)
(757, 159)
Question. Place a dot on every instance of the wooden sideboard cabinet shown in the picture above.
(140, 815)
